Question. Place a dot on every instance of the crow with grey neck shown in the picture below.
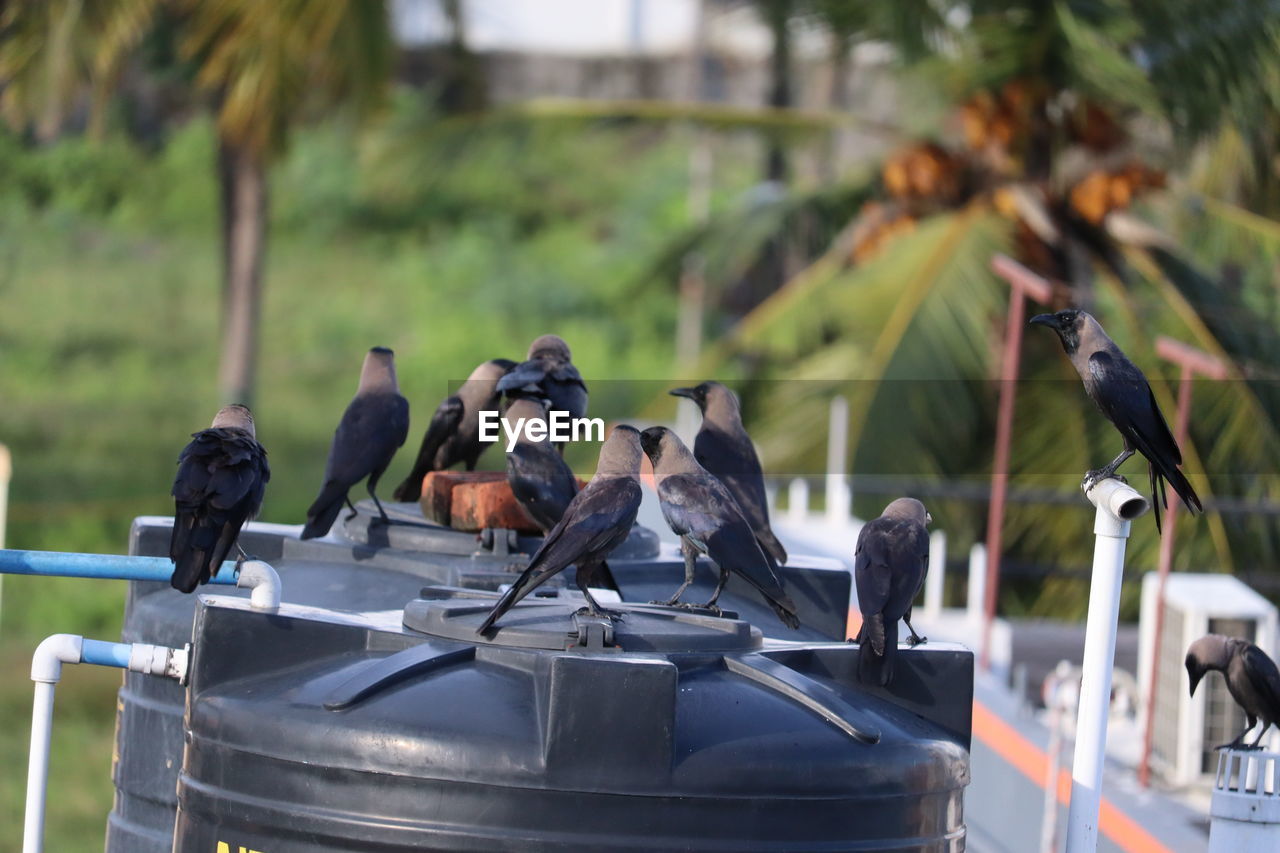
(222, 475)
(548, 373)
(597, 520)
(453, 435)
(539, 478)
(372, 428)
(723, 447)
(889, 566)
(1252, 680)
(1121, 393)
(702, 512)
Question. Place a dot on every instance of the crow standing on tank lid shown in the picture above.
(454, 433)
(1121, 392)
(702, 512)
(540, 479)
(597, 520)
(222, 475)
(724, 448)
(548, 373)
(372, 428)
(889, 566)
(1252, 680)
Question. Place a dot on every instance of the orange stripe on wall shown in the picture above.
(1033, 762)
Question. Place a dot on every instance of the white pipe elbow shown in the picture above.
(1119, 501)
(259, 577)
(52, 653)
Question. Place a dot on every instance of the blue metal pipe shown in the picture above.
(111, 566)
(103, 653)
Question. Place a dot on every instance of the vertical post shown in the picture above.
(838, 497)
(935, 580)
(6, 471)
(1022, 283)
(977, 583)
(1117, 504)
(1191, 361)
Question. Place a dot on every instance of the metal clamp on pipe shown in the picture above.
(46, 671)
(1117, 504)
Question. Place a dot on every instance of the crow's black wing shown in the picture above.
(598, 519)
(1264, 677)
(526, 375)
(1121, 392)
(732, 459)
(873, 566)
(541, 481)
(371, 429)
(222, 476)
(700, 507)
(444, 425)
(567, 374)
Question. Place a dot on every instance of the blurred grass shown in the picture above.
(109, 282)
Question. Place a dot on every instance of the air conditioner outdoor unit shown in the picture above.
(1187, 729)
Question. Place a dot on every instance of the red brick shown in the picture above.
(479, 505)
(438, 486)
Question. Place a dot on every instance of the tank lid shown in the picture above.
(554, 623)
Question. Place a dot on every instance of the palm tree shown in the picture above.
(264, 67)
(900, 312)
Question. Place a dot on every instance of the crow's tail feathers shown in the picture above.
(529, 580)
(1175, 478)
(878, 641)
(324, 512)
(189, 549)
(771, 546)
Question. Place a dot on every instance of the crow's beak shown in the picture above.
(928, 518)
(1045, 320)
(691, 393)
(1195, 680)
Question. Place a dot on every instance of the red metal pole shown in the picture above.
(1191, 360)
(1022, 283)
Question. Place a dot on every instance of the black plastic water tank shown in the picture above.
(366, 569)
(669, 730)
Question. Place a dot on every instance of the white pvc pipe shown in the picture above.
(38, 768)
(1117, 503)
(265, 583)
(46, 671)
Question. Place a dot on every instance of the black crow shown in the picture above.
(723, 447)
(372, 428)
(708, 520)
(222, 475)
(1120, 390)
(548, 373)
(539, 478)
(889, 566)
(454, 433)
(1252, 680)
(597, 520)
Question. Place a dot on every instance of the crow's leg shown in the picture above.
(1257, 742)
(585, 574)
(915, 639)
(690, 552)
(1250, 721)
(1109, 470)
(373, 484)
(350, 506)
(715, 596)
